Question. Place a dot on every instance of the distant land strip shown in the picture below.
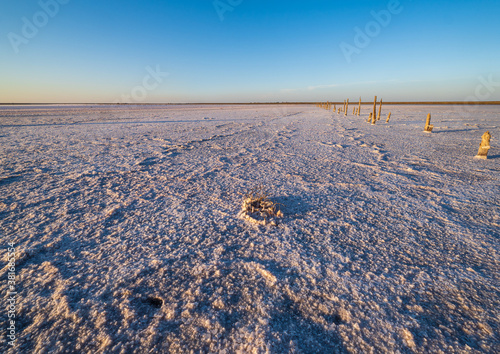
(263, 103)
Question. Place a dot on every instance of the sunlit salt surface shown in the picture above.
(125, 220)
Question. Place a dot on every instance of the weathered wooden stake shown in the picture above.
(388, 117)
(374, 117)
(370, 118)
(379, 110)
(346, 107)
(359, 106)
(484, 146)
(428, 126)
(353, 111)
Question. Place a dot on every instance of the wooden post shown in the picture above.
(388, 117)
(346, 107)
(484, 146)
(370, 118)
(428, 126)
(379, 110)
(374, 117)
(359, 106)
(353, 111)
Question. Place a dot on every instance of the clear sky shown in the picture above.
(248, 50)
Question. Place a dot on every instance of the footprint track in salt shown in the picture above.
(332, 144)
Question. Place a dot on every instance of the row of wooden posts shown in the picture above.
(374, 117)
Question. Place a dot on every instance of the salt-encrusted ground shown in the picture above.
(125, 222)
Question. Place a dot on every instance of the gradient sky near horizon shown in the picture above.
(248, 50)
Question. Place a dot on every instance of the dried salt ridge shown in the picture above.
(125, 223)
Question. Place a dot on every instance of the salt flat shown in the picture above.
(125, 220)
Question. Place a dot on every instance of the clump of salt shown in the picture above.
(258, 209)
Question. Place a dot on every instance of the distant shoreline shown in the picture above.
(260, 103)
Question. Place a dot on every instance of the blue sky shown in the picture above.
(248, 51)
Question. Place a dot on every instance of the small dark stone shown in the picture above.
(154, 301)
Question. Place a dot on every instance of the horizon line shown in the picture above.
(255, 103)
